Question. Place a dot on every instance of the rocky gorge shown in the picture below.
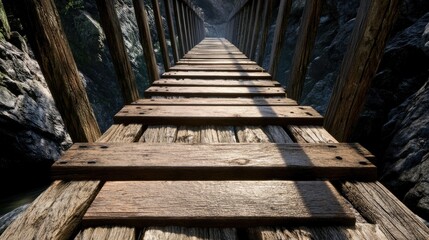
(394, 123)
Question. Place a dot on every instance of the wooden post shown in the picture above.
(304, 46)
(279, 34)
(146, 40)
(179, 27)
(52, 51)
(185, 26)
(250, 25)
(115, 41)
(266, 21)
(171, 31)
(256, 30)
(374, 22)
(161, 35)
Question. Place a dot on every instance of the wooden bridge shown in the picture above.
(215, 150)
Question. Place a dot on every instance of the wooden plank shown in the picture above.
(218, 204)
(216, 82)
(112, 162)
(216, 61)
(219, 67)
(219, 115)
(216, 75)
(182, 233)
(219, 101)
(215, 91)
(107, 233)
(213, 51)
(214, 56)
(372, 200)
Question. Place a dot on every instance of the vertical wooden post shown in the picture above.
(279, 34)
(52, 51)
(185, 25)
(179, 27)
(146, 40)
(250, 26)
(374, 22)
(171, 30)
(268, 9)
(304, 46)
(124, 72)
(256, 30)
(161, 35)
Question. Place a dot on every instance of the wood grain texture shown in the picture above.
(216, 82)
(374, 21)
(181, 233)
(215, 61)
(360, 231)
(215, 91)
(304, 47)
(52, 51)
(203, 162)
(372, 200)
(219, 68)
(216, 75)
(218, 204)
(218, 101)
(218, 115)
(106, 233)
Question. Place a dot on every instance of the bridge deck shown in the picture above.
(167, 190)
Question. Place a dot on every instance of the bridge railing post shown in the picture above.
(171, 30)
(267, 15)
(256, 30)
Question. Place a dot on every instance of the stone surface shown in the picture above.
(9, 217)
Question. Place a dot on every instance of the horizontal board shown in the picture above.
(215, 91)
(219, 101)
(138, 161)
(217, 75)
(218, 68)
(219, 115)
(215, 62)
(214, 51)
(218, 204)
(216, 83)
(215, 56)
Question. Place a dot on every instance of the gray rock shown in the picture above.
(32, 130)
(406, 161)
(426, 40)
(8, 218)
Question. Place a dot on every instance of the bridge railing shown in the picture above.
(248, 28)
(43, 27)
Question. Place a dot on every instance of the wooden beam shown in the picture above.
(219, 115)
(161, 34)
(219, 101)
(171, 30)
(250, 24)
(179, 27)
(256, 30)
(279, 35)
(146, 40)
(374, 22)
(215, 82)
(52, 51)
(123, 162)
(304, 47)
(266, 23)
(215, 91)
(218, 204)
(216, 75)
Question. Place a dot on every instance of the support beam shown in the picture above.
(279, 34)
(304, 46)
(179, 27)
(374, 22)
(52, 51)
(171, 30)
(161, 34)
(115, 41)
(268, 9)
(256, 31)
(146, 40)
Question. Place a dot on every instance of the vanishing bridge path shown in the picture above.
(215, 150)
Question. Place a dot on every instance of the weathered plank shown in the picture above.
(215, 61)
(372, 200)
(215, 91)
(219, 101)
(217, 203)
(219, 115)
(214, 51)
(203, 162)
(106, 233)
(215, 56)
(216, 75)
(218, 68)
(216, 82)
(181, 233)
